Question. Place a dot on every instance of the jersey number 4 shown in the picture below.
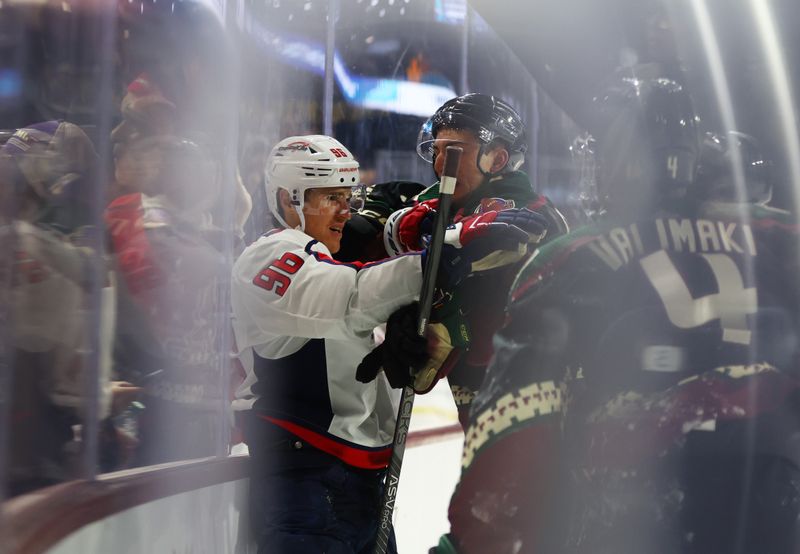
(730, 305)
(276, 276)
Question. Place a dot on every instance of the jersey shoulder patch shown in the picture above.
(494, 205)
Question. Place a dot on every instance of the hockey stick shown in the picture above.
(447, 186)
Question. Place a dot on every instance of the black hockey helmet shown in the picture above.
(487, 116)
(722, 157)
(648, 141)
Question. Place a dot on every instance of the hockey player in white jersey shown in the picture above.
(319, 439)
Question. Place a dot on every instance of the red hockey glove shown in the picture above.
(415, 223)
(499, 224)
(487, 241)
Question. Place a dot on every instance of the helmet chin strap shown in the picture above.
(283, 221)
(515, 161)
(299, 210)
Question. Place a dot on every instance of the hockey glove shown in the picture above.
(402, 353)
(471, 227)
(533, 223)
(405, 228)
(479, 244)
(416, 223)
(410, 229)
(362, 239)
(406, 358)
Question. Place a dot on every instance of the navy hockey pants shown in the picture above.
(303, 501)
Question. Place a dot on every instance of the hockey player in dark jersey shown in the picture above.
(492, 135)
(643, 396)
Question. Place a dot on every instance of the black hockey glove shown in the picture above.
(361, 233)
(402, 353)
(362, 239)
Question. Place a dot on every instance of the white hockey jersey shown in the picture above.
(302, 323)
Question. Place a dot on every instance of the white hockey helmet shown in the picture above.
(297, 164)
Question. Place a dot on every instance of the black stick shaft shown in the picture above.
(434, 256)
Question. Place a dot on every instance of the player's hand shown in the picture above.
(533, 223)
(401, 355)
(417, 222)
(502, 227)
(370, 366)
(485, 246)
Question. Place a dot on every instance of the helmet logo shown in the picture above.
(294, 147)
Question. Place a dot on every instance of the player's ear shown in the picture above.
(285, 202)
(494, 160)
(500, 160)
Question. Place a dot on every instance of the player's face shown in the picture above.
(326, 211)
(469, 176)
